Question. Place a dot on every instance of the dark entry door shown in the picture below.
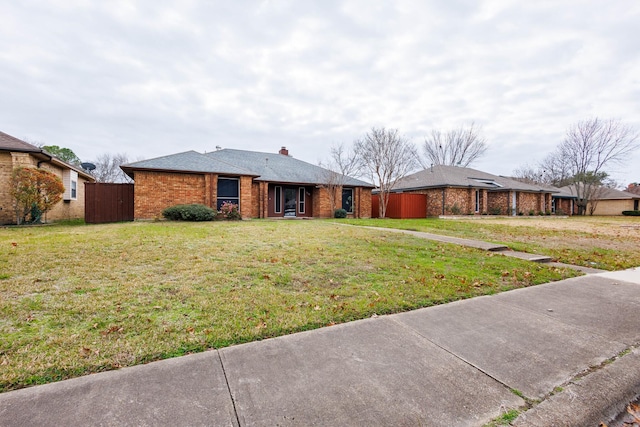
(290, 201)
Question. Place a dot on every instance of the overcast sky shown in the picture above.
(152, 78)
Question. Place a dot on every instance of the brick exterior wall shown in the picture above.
(362, 209)
(563, 207)
(155, 191)
(7, 215)
(498, 203)
(246, 197)
(611, 207)
(71, 209)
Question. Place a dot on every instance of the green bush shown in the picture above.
(495, 211)
(340, 213)
(194, 212)
(631, 213)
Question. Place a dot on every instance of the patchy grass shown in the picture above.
(88, 298)
(609, 243)
(505, 419)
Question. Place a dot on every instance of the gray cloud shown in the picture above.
(153, 78)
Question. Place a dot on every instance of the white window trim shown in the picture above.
(277, 199)
(302, 201)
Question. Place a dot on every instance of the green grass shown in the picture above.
(88, 298)
(608, 243)
(505, 419)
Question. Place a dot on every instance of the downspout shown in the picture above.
(443, 196)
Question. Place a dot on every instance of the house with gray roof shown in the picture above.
(263, 185)
(455, 190)
(15, 153)
(605, 200)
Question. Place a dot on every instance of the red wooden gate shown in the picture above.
(401, 206)
(106, 202)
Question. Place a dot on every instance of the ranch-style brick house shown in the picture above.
(263, 185)
(608, 201)
(454, 190)
(14, 153)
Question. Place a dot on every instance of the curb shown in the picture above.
(597, 397)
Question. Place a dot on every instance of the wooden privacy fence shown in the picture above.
(401, 206)
(105, 202)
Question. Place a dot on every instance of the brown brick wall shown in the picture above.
(498, 202)
(322, 204)
(458, 201)
(155, 191)
(246, 197)
(7, 214)
(612, 207)
(363, 198)
(64, 210)
(563, 207)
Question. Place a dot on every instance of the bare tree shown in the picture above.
(108, 168)
(456, 147)
(589, 147)
(387, 157)
(343, 163)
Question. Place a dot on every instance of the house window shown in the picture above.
(278, 200)
(553, 205)
(301, 200)
(347, 199)
(70, 182)
(228, 191)
(477, 201)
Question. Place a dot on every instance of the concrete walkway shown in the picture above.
(487, 246)
(459, 364)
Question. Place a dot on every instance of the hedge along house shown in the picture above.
(17, 153)
(263, 185)
(453, 190)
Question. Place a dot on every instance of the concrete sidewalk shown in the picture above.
(460, 364)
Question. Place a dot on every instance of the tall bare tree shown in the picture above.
(108, 168)
(589, 147)
(343, 162)
(456, 147)
(386, 157)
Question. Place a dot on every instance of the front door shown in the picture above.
(290, 201)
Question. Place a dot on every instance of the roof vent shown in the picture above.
(218, 148)
(284, 151)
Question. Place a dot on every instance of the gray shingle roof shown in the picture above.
(271, 167)
(454, 176)
(274, 167)
(189, 161)
(10, 143)
(605, 193)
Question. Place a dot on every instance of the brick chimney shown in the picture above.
(284, 151)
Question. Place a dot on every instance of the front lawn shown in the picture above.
(608, 243)
(77, 299)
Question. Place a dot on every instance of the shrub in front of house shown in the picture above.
(193, 212)
(631, 213)
(229, 211)
(340, 213)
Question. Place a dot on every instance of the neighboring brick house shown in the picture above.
(608, 201)
(15, 152)
(264, 185)
(453, 190)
